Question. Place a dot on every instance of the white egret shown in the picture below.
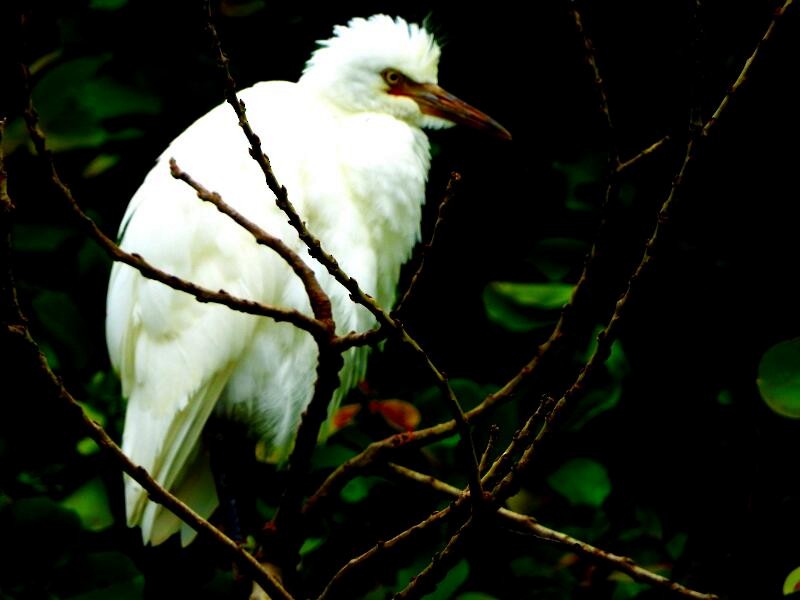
(347, 142)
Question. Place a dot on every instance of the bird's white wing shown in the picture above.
(174, 354)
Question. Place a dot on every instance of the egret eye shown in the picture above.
(392, 77)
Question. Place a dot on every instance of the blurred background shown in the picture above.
(675, 456)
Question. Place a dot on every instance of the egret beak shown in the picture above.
(433, 100)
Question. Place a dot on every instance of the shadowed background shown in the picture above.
(672, 458)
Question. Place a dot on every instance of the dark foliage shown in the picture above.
(672, 457)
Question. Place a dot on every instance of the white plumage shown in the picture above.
(347, 143)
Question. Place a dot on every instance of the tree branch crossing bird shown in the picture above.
(346, 141)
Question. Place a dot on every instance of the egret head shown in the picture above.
(389, 66)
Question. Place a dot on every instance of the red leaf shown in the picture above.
(399, 414)
(344, 416)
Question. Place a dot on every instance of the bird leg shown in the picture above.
(224, 439)
(219, 436)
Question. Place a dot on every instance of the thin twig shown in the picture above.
(634, 160)
(506, 461)
(487, 481)
(425, 581)
(494, 431)
(530, 525)
(745, 72)
(364, 338)
(383, 546)
(422, 437)
(320, 303)
(450, 192)
(600, 88)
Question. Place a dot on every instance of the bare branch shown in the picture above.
(744, 73)
(634, 160)
(425, 581)
(591, 61)
(489, 479)
(530, 525)
(366, 338)
(320, 303)
(381, 547)
(494, 431)
(452, 185)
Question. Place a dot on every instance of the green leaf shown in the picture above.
(600, 399)
(725, 398)
(358, 489)
(50, 355)
(592, 404)
(93, 572)
(448, 586)
(676, 545)
(93, 413)
(522, 307)
(41, 534)
(650, 521)
(331, 455)
(104, 394)
(475, 596)
(60, 317)
(592, 531)
(90, 502)
(545, 296)
(107, 4)
(792, 582)
(527, 566)
(433, 405)
(310, 544)
(524, 502)
(556, 257)
(74, 100)
(40, 238)
(779, 378)
(626, 590)
(616, 363)
(581, 481)
(241, 8)
(100, 164)
(87, 446)
(586, 171)
(132, 589)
